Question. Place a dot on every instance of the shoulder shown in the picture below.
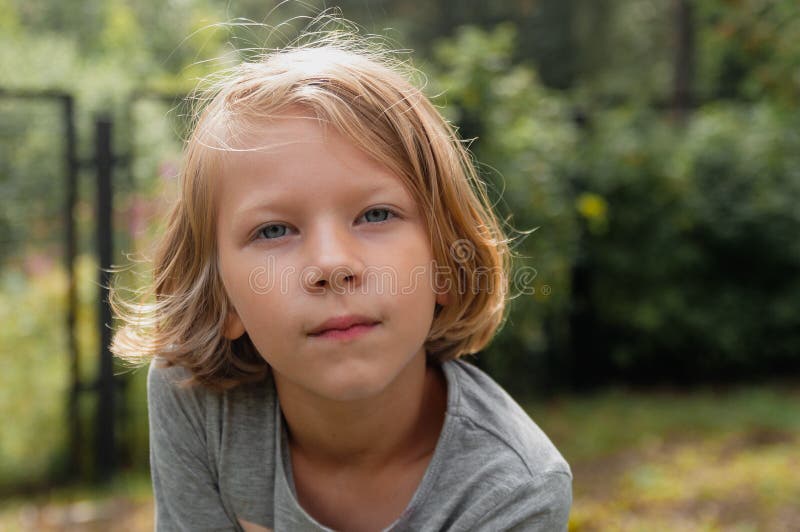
(203, 447)
(489, 416)
(170, 398)
(494, 468)
(168, 388)
(177, 411)
(166, 380)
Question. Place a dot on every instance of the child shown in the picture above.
(331, 256)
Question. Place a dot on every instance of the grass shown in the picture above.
(123, 504)
(620, 419)
(704, 460)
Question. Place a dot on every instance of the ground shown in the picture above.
(713, 460)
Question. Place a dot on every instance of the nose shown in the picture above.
(334, 263)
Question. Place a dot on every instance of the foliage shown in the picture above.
(35, 367)
(707, 289)
(712, 210)
(30, 196)
(30, 370)
(749, 50)
(35, 383)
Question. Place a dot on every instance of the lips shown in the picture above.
(341, 323)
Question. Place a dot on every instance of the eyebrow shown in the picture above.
(275, 203)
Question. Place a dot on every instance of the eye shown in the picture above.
(272, 231)
(377, 215)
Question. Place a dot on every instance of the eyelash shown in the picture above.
(391, 214)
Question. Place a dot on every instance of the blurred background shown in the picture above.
(652, 146)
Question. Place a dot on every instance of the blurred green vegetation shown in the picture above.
(664, 240)
(35, 382)
(34, 386)
(665, 250)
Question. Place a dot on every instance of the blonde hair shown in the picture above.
(367, 95)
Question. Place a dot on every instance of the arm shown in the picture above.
(540, 505)
(184, 485)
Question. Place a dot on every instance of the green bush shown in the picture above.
(691, 275)
(662, 251)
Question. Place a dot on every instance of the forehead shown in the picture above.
(295, 154)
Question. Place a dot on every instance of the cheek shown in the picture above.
(272, 323)
(249, 272)
(416, 263)
(409, 246)
(265, 293)
(416, 311)
(415, 296)
(261, 294)
(251, 286)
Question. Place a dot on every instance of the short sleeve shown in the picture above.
(186, 492)
(542, 504)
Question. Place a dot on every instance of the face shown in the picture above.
(314, 236)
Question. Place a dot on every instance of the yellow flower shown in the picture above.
(592, 206)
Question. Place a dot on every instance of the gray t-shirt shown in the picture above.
(217, 458)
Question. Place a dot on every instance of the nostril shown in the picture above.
(338, 278)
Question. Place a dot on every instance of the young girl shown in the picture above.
(331, 256)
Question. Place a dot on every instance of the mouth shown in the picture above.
(344, 327)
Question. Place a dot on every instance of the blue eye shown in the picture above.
(273, 231)
(377, 215)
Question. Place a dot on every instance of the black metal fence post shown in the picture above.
(104, 424)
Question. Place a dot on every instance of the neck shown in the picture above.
(402, 423)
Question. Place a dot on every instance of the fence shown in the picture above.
(73, 174)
